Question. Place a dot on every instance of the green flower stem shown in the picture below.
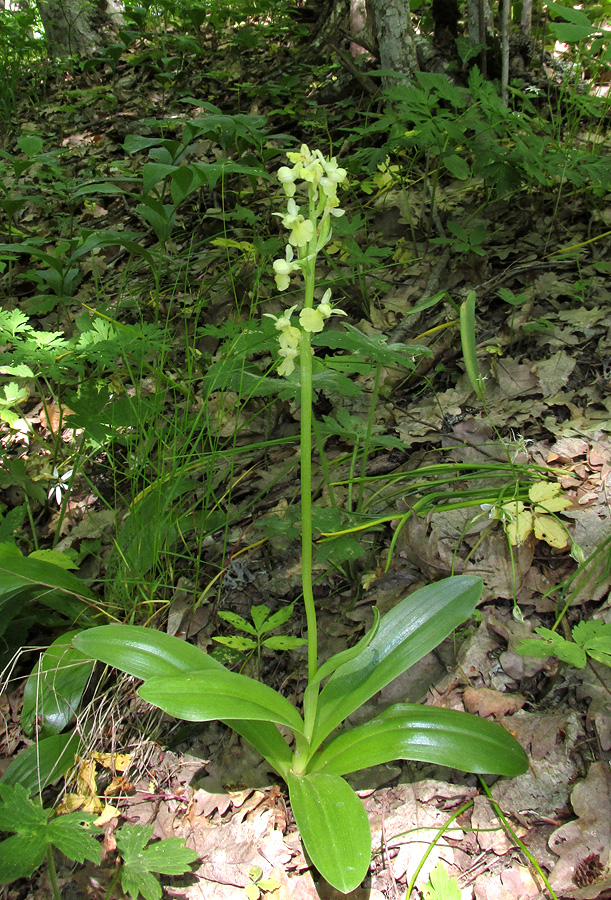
(111, 892)
(305, 356)
(52, 871)
(306, 502)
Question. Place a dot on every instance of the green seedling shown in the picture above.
(441, 886)
(258, 884)
(590, 639)
(262, 624)
(187, 683)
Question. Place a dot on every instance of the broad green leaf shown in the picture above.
(584, 632)
(344, 656)
(143, 652)
(445, 737)
(55, 557)
(183, 184)
(170, 857)
(136, 883)
(36, 572)
(18, 812)
(334, 828)
(595, 638)
(43, 762)
(571, 34)
(55, 687)
(417, 625)
(576, 16)
(371, 347)
(31, 145)
(457, 166)
(133, 143)
(204, 696)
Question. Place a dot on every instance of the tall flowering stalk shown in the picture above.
(185, 682)
(308, 234)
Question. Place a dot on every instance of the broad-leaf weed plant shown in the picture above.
(190, 684)
(38, 832)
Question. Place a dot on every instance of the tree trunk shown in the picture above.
(395, 40)
(505, 17)
(78, 27)
(526, 17)
(333, 15)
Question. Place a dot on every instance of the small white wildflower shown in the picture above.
(60, 485)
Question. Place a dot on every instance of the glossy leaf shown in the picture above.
(36, 572)
(204, 696)
(143, 652)
(334, 827)
(265, 737)
(445, 737)
(55, 687)
(408, 632)
(43, 762)
(344, 656)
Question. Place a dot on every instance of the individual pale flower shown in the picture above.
(287, 177)
(284, 321)
(312, 173)
(287, 366)
(334, 175)
(283, 269)
(313, 320)
(300, 157)
(302, 230)
(334, 172)
(289, 338)
(332, 206)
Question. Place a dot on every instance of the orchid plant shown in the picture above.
(186, 682)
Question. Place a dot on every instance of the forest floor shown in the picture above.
(538, 261)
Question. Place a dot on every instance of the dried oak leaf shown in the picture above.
(585, 840)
